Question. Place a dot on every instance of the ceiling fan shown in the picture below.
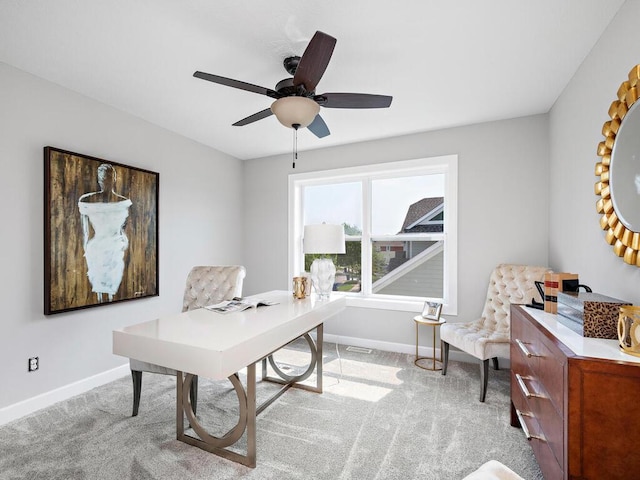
(296, 104)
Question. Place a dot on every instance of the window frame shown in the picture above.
(445, 164)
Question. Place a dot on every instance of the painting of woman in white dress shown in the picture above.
(105, 213)
(101, 232)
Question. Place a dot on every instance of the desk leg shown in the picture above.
(179, 407)
(290, 381)
(248, 408)
(264, 367)
(251, 415)
(320, 341)
(246, 420)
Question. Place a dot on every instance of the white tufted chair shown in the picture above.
(488, 337)
(205, 286)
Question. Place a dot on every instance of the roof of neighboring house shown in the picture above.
(418, 211)
(398, 273)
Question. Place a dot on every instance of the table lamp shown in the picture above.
(323, 239)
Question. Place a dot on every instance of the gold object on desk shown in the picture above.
(300, 287)
(629, 330)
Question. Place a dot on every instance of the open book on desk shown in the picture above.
(238, 305)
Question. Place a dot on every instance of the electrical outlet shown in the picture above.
(34, 364)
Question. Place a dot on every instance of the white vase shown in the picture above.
(323, 275)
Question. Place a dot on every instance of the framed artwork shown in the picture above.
(431, 310)
(100, 232)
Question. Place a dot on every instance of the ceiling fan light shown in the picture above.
(295, 110)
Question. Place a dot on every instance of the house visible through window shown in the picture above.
(400, 226)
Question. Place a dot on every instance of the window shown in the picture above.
(400, 222)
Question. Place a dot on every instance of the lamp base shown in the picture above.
(323, 275)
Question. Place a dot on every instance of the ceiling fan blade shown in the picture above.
(353, 100)
(254, 118)
(318, 127)
(314, 61)
(229, 82)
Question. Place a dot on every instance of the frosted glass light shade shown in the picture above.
(295, 110)
(324, 238)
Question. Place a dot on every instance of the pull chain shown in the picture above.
(295, 143)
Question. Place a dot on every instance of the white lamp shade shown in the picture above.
(295, 110)
(324, 238)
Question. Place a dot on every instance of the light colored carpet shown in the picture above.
(380, 417)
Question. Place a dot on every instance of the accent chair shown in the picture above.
(489, 336)
(206, 285)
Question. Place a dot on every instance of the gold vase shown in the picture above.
(629, 330)
(300, 287)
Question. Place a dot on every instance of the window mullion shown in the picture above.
(367, 268)
(296, 222)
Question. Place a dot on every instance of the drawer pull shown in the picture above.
(523, 388)
(523, 424)
(524, 349)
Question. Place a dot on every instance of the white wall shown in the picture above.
(503, 173)
(576, 240)
(200, 204)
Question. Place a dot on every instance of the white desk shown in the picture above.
(217, 346)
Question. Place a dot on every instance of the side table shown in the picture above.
(420, 320)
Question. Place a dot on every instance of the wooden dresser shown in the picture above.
(579, 399)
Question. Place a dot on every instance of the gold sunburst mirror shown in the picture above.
(619, 172)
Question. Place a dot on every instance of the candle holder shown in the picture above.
(629, 330)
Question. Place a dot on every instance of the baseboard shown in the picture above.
(454, 354)
(20, 409)
(395, 347)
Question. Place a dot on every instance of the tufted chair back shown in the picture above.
(489, 336)
(207, 285)
(509, 284)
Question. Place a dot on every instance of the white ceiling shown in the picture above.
(446, 63)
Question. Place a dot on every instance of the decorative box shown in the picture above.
(555, 282)
(598, 314)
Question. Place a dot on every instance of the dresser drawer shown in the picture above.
(545, 455)
(528, 392)
(540, 360)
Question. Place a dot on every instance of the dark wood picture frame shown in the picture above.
(100, 232)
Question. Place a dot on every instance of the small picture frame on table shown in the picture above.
(431, 311)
